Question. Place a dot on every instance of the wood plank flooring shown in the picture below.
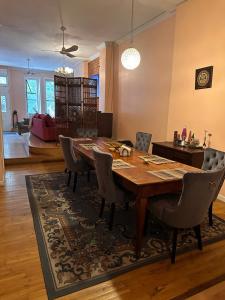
(14, 145)
(20, 270)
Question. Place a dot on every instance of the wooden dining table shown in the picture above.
(135, 179)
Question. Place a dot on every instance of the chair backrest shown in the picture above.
(103, 166)
(197, 194)
(143, 141)
(68, 153)
(214, 160)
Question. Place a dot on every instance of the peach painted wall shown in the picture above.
(199, 42)
(102, 62)
(141, 96)
(17, 92)
(17, 88)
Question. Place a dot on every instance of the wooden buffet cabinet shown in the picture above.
(185, 155)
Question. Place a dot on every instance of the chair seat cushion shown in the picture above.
(160, 203)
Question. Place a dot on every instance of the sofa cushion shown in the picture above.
(49, 121)
(35, 115)
(41, 116)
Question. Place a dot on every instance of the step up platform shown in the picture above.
(27, 148)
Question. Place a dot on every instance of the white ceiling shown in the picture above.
(29, 26)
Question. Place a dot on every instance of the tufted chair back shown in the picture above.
(143, 141)
(198, 192)
(103, 166)
(214, 160)
(68, 153)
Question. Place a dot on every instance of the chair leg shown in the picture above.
(69, 178)
(88, 176)
(146, 223)
(65, 171)
(197, 230)
(75, 181)
(174, 249)
(102, 208)
(210, 214)
(111, 218)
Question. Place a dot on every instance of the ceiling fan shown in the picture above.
(65, 51)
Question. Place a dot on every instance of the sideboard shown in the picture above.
(185, 155)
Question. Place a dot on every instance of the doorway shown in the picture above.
(5, 101)
(6, 109)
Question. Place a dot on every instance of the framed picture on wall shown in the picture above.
(203, 78)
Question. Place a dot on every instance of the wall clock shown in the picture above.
(203, 78)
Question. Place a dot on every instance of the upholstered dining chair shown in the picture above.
(143, 141)
(72, 162)
(109, 192)
(190, 208)
(213, 160)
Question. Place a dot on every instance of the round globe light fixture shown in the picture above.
(130, 58)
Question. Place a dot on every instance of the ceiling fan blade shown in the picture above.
(71, 49)
(69, 55)
(50, 50)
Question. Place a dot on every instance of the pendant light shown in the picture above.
(130, 57)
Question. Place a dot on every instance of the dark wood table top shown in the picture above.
(178, 148)
(137, 175)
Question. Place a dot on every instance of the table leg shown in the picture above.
(141, 206)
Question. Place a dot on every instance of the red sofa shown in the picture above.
(43, 126)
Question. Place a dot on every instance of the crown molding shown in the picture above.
(25, 69)
(150, 23)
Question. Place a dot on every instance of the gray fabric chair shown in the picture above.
(213, 160)
(109, 192)
(190, 208)
(143, 141)
(72, 162)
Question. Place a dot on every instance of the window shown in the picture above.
(50, 97)
(32, 95)
(97, 78)
(3, 103)
(3, 79)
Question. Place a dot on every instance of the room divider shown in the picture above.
(76, 105)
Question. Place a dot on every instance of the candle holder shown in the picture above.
(209, 139)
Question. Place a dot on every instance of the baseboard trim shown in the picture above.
(221, 197)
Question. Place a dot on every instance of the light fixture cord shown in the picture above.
(132, 21)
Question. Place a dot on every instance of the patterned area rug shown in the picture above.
(76, 248)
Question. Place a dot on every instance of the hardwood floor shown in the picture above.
(217, 292)
(20, 270)
(14, 146)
